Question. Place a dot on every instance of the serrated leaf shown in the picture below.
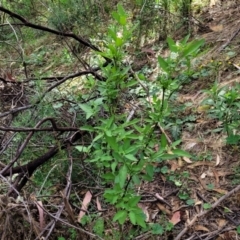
(134, 201)
(120, 216)
(132, 218)
(157, 229)
(140, 220)
(122, 175)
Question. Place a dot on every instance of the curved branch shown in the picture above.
(28, 169)
(46, 29)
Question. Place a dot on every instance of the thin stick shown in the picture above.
(207, 211)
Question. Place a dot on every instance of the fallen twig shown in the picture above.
(179, 236)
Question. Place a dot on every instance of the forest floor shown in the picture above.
(216, 178)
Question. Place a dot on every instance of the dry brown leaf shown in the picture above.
(222, 191)
(198, 203)
(158, 196)
(163, 209)
(221, 222)
(163, 178)
(203, 184)
(176, 218)
(201, 228)
(187, 160)
(220, 173)
(174, 165)
(180, 163)
(86, 201)
(99, 207)
(190, 145)
(216, 177)
(203, 163)
(217, 160)
(216, 28)
(203, 175)
(41, 215)
(154, 214)
(145, 211)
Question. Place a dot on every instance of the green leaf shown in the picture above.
(120, 216)
(238, 229)
(184, 40)
(122, 175)
(150, 171)
(164, 169)
(112, 143)
(123, 20)
(87, 128)
(121, 10)
(82, 148)
(113, 166)
(131, 157)
(171, 44)
(134, 201)
(210, 186)
(116, 16)
(132, 217)
(98, 227)
(163, 141)
(136, 179)
(157, 229)
(131, 84)
(119, 42)
(98, 137)
(192, 47)
(207, 206)
(140, 220)
(183, 196)
(181, 153)
(169, 226)
(167, 156)
(87, 109)
(190, 202)
(163, 64)
(108, 176)
(176, 143)
(105, 157)
(233, 139)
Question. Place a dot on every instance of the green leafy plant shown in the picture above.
(207, 206)
(124, 148)
(224, 105)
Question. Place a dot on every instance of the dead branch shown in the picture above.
(217, 203)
